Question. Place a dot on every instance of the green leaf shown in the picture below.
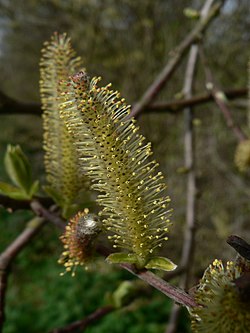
(161, 263)
(18, 167)
(13, 192)
(34, 188)
(119, 258)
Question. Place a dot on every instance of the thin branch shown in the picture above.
(84, 323)
(219, 99)
(176, 106)
(9, 105)
(14, 204)
(176, 294)
(40, 210)
(189, 152)
(176, 57)
(188, 247)
(10, 253)
(189, 156)
(16, 107)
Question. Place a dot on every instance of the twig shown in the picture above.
(189, 152)
(40, 210)
(13, 204)
(187, 257)
(10, 254)
(176, 294)
(84, 323)
(189, 143)
(170, 106)
(176, 106)
(176, 57)
(219, 99)
(9, 105)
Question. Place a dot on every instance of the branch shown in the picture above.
(9, 105)
(178, 105)
(178, 295)
(189, 155)
(13, 204)
(16, 107)
(219, 99)
(176, 57)
(82, 324)
(187, 257)
(40, 210)
(10, 254)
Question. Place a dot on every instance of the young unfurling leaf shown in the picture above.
(18, 169)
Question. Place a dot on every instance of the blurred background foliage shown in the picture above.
(126, 42)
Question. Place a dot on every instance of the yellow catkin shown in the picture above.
(221, 308)
(115, 157)
(58, 62)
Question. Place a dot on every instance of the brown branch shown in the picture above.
(176, 294)
(219, 99)
(84, 323)
(176, 57)
(189, 156)
(9, 105)
(169, 106)
(187, 257)
(40, 210)
(13, 204)
(178, 105)
(10, 253)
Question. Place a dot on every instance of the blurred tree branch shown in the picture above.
(219, 99)
(13, 204)
(178, 105)
(188, 248)
(48, 214)
(84, 323)
(10, 253)
(175, 58)
(9, 105)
